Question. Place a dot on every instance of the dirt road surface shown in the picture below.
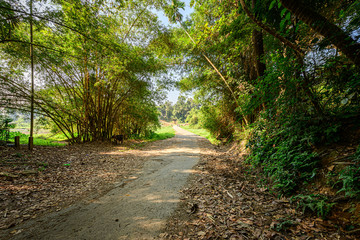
(136, 209)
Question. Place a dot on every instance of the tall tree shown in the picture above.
(93, 67)
(342, 40)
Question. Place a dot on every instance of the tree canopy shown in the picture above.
(95, 65)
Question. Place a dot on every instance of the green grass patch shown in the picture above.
(38, 140)
(163, 133)
(203, 133)
(52, 136)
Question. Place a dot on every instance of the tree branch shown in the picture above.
(299, 52)
(324, 27)
(58, 23)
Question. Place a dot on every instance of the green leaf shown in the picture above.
(192, 3)
(282, 24)
(283, 12)
(272, 4)
(288, 16)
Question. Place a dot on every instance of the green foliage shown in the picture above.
(292, 124)
(172, 11)
(182, 108)
(284, 224)
(166, 111)
(216, 121)
(40, 141)
(279, 94)
(5, 127)
(21, 122)
(162, 133)
(314, 203)
(284, 155)
(203, 133)
(43, 164)
(179, 111)
(94, 67)
(339, 87)
(349, 177)
(332, 179)
(52, 136)
(193, 118)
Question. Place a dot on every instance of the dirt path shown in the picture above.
(136, 209)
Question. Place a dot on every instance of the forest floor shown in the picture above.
(226, 200)
(51, 178)
(87, 190)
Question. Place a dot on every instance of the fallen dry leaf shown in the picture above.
(233, 206)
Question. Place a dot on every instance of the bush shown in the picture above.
(284, 156)
(314, 203)
(5, 127)
(349, 177)
(219, 124)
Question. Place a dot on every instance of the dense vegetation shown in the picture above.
(94, 64)
(179, 111)
(286, 75)
(283, 73)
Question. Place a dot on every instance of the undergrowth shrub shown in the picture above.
(218, 123)
(284, 154)
(296, 117)
(314, 203)
(5, 127)
(284, 224)
(349, 177)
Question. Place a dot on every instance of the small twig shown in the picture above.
(353, 231)
(229, 194)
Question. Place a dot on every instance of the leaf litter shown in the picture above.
(224, 200)
(51, 178)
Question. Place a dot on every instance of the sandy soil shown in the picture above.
(135, 209)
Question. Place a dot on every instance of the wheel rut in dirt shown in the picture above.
(135, 210)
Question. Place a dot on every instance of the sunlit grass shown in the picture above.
(52, 136)
(50, 139)
(39, 140)
(160, 134)
(163, 133)
(202, 132)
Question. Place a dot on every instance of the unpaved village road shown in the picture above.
(137, 209)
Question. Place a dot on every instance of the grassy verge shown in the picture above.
(163, 133)
(53, 139)
(202, 132)
(38, 140)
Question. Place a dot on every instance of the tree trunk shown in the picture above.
(298, 51)
(322, 26)
(258, 53)
(257, 38)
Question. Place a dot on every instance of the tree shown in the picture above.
(166, 111)
(180, 109)
(342, 40)
(93, 69)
